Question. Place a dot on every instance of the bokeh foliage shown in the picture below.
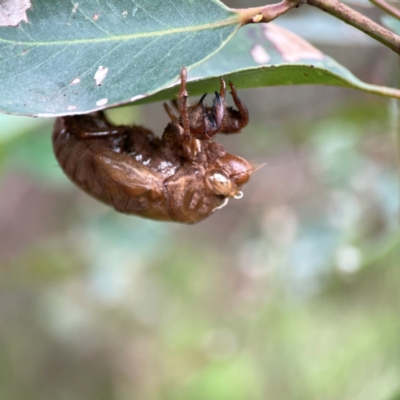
(290, 294)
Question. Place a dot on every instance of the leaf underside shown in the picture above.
(73, 58)
(269, 56)
(70, 57)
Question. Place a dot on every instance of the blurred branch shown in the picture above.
(359, 21)
(383, 5)
(335, 8)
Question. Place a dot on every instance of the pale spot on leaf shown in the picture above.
(71, 108)
(259, 54)
(12, 12)
(291, 47)
(100, 75)
(138, 97)
(75, 81)
(101, 102)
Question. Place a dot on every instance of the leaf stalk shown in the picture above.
(388, 8)
(335, 8)
(266, 13)
(359, 21)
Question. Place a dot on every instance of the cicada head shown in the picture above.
(229, 177)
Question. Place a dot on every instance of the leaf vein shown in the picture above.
(153, 18)
(166, 55)
(38, 65)
(178, 12)
(138, 53)
(171, 31)
(92, 21)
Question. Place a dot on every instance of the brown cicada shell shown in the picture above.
(185, 176)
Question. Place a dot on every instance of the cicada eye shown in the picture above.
(220, 184)
(238, 168)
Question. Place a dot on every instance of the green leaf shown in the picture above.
(269, 55)
(72, 57)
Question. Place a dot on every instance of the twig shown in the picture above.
(267, 13)
(383, 5)
(359, 21)
(333, 7)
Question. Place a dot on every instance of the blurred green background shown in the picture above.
(290, 293)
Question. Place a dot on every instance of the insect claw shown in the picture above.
(174, 102)
(233, 89)
(223, 88)
(199, 108)
(183, 77)
(170, 113)
(201, 100)
(218, 110)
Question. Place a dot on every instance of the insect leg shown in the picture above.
(94, 125)
(170, 113)
(235, 120)
(218, 110)
(183, 108)
(188, 141)
(207, 121)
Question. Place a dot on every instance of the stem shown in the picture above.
(267, 13)
(387, 8)
(359, 21)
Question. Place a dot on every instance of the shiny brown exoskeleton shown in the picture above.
(182, 177)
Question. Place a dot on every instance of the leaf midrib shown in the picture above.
(173, 31)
